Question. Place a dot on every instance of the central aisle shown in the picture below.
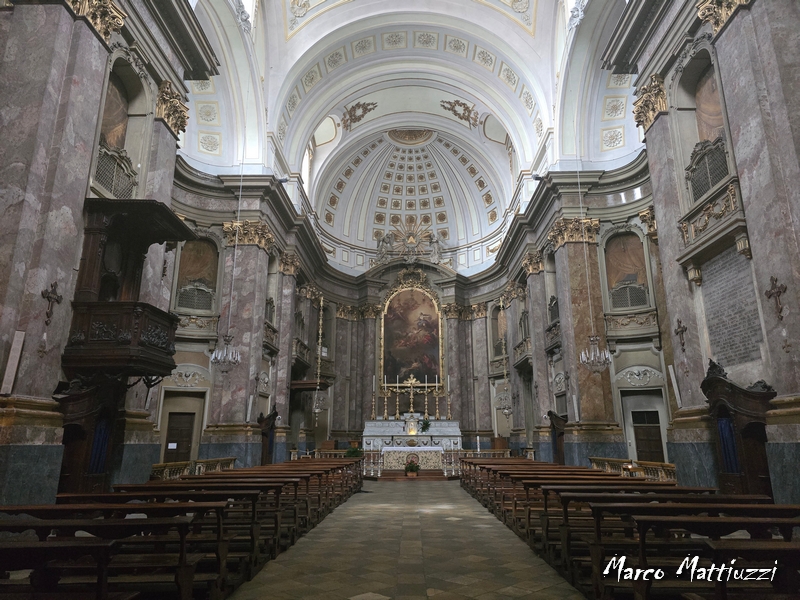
(408, 539)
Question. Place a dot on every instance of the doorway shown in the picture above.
(180, 427)
(645, 420)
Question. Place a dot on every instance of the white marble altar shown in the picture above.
(395, 458)
(407, 432)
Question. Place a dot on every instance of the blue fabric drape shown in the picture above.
(727, 440)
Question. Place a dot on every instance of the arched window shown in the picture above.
(626, 273)
(197, 277)
(123, 143)
(701, 127)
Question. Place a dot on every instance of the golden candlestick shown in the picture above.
(373, 405)
(438, 392)
(397, 404)
(426, 403)
(385, 393)
(449, 416)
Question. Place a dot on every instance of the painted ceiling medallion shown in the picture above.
(410, 137)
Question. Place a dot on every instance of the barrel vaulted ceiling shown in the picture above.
(386, 115)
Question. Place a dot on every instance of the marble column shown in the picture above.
(542, 395)
(339, 407)
(453, 363)
(593, 431)
(482, 412)
(368, 366)
(52, 89)
(689, 438)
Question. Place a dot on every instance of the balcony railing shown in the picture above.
(115, 172)
(708, 166)
(270, 341)
(120, 338)
(300, 351)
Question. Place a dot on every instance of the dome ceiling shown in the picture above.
(410, 179)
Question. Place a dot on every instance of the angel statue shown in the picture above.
(436, 250)
(385, 244)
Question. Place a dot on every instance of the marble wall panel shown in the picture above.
(783, 459)
(52, 102)
(758, 56)
(695, 462)
(285, 314)
(665, 174)
(133, 463)
(29, 473)
(248, 454)
(480, 366)
(339, 403)
(578, 453)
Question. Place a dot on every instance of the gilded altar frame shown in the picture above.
(416, 280)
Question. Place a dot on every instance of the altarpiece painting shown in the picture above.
(411, 337)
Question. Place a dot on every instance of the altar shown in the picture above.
(395, 458)
(407, 433)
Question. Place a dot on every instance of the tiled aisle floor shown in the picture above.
(408, 539)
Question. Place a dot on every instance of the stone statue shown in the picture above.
(436, 250)
(385, 244)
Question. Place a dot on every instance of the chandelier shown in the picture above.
(227, 357)
(503, 400)
(319, 402)
(594, 359)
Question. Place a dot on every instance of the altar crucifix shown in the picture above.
(679, 331)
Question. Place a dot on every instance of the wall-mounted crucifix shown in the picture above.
(51, 296)
(679, 331)
(775, 292)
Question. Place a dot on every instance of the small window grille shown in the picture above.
(628, 296)
(707, 168)
(552, 307)
(195, 297)
(115, 171)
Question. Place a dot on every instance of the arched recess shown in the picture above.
(587, 134)
(244, 131)
(124, 130)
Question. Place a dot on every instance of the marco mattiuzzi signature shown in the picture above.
(689, 566)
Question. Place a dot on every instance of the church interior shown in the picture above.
(259, 257)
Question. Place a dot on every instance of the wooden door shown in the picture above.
(647, 434)
(180, 428)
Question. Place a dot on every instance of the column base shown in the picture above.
(132, 462)
(601, 439)
(783, 448)
(690, 447)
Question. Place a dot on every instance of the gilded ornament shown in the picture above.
(652, 99)
(309, 292)
(571, 231)
(349, 313)
(289, 264)
(462, 111)
(356, 113)
(513, 291)
(248, 233)
(717, 12)
(631, 321)
(171, 108)
(104, 15)
(532, 263)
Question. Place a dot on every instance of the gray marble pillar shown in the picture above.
(285, 315)
(482, 418)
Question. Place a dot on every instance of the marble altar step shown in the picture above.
(427, 475)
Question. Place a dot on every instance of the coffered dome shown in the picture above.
(412, 179)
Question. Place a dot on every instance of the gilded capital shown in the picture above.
(479, 310)
(532, 263)
(104, 15)
(289, 264)
(717, 12)
(648, 217)
(248, 233)
(370, 311)
(171, 107)
(452, 311)
(652, 99)
(343, 311)
(573, 231)
(310, 292)
(513, 290)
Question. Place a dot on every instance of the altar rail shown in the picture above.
(174, 470)
(451, 460)
(653, 471)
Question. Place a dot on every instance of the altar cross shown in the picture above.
(51, 296)
(775, 292)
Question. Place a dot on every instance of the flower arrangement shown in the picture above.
(412, 466)
(425, 425)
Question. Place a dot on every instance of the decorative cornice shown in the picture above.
(717, 12)
(652, 99)
(572, 231)
(171, 107)
(532, 263)
(250, 233)
(289, 263)
(412, 278)
(104, 15)
(648, 217)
